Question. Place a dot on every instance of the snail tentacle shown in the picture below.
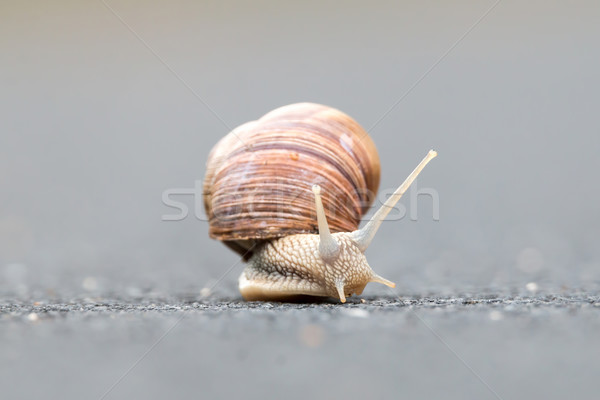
(378, 279)
(363, 237)
(339, 285)
(329, 249)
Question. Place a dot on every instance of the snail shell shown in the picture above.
(259, 177)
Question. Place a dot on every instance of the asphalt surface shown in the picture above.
(480, 345)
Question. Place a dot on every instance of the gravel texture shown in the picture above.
(152, 346)
(12, 309)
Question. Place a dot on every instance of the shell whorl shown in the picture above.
(259, 177)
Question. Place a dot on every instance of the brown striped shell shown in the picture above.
(259, 177)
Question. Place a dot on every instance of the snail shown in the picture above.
(287, 192)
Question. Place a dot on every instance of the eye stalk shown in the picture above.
(363, 237)
(329, 249)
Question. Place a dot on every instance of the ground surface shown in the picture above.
(470, 345)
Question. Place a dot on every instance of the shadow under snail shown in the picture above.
(288, 191)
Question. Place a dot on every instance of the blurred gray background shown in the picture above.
(94, 127)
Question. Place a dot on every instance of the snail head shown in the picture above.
(343, 252)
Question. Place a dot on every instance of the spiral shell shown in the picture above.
(259, 177)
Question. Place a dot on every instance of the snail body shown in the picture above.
(287, 192)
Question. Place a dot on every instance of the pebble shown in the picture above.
(532, 287)
(496, 315)
(90, 283)
(356, 312)
(312, 335)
